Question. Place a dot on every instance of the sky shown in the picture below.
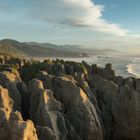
(101, 24)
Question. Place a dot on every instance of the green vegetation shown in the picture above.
(31, 69)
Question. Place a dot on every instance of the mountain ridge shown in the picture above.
(35, 49)
(14, 47)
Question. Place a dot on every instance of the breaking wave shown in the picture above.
(134, 67)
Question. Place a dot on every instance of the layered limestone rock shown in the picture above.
(126, 112)
(80, 112)
(120, 109)
(46, 79)
(21, 130)
(81, 82)
(6, 105)
(9, 81)
(45, 111)
(12, 126)
(77, 102)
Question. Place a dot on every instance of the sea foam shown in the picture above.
(134, 67)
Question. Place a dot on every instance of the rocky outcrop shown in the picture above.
(110, 94)
(58, 100)
(83, 84)
(108, 72)
(9, 81)
(6, 105)
(21, 130)
(45, 111)
(80, 112)
(46, 79)
(126, 113)
(12, 125)
(119, 106)
(76, 106)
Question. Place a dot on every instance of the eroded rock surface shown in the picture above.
(80, 112)
(45, 111)
(58, 100)
(12, 126)
(9, 81)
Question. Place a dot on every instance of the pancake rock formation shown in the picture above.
(64, 100)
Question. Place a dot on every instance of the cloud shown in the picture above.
(79, 13)
(69, 13)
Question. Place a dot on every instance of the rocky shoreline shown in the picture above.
(63, 100)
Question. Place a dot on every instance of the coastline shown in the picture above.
(131, 71)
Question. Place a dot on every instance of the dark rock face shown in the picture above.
(58, 100)
(25, 99)
(108, 72)
(137, 84)
(126, 114)
(45, 132)
(119, 108)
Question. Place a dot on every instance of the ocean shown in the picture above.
(126, 66)
(134, 67)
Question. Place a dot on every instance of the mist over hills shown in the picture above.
(34, 49)
(76, 48)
